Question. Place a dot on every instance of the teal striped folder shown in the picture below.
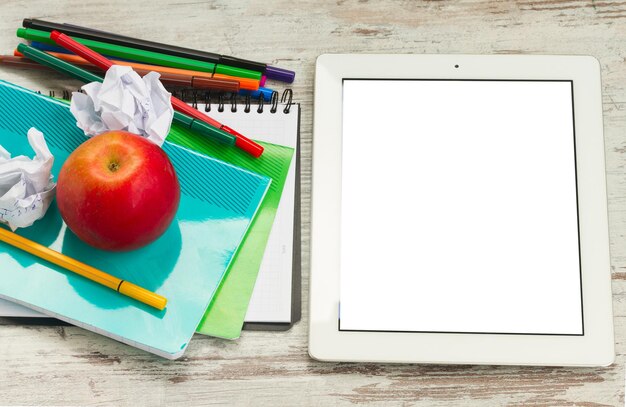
(186, 265)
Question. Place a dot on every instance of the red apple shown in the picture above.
(118, 191)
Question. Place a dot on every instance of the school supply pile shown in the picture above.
(229, 259)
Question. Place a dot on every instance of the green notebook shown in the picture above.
(225, 316)
(186, 265)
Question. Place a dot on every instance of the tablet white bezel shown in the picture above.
(326, 342)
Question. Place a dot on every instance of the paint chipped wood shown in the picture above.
(67, 365)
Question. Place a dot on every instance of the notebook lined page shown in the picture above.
(271, 298)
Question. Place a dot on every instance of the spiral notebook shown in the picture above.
(274, 302)
(186, 264)
(272, 248)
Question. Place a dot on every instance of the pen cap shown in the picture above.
(279, 74)
(171, 79)
(225, 85)
(245, 143)
(236, 71)
(262, 92)
(244, 83)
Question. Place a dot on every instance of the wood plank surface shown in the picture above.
(70, 366)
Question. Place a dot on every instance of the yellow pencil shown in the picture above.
(122, 286)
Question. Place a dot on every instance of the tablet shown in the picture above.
(459, 211)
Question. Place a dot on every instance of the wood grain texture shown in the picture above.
(70, 366)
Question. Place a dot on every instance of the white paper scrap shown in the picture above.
(26, 187)
(124, 101)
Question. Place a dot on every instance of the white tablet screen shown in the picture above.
(459, 207)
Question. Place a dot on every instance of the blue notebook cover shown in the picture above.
(186, 264)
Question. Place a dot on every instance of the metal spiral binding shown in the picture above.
(274, 102)
(220, 103)
(193, 96)
(65, 94)
(288, 96)
(233, 103)
(261, 103)
(207, 101)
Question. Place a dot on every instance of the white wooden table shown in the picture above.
(71, 366)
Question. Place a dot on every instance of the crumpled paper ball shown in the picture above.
(124, 101)
(26, 187)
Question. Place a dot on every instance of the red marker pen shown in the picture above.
(103, 63)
